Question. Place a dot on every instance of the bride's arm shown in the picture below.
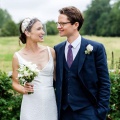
(15, 82)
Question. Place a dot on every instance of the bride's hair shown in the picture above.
(26, 25)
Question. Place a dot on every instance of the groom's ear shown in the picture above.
(76, 25)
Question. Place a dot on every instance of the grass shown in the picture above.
(9, 45)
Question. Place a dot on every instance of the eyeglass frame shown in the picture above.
(62, 23)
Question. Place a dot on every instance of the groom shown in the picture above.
(82, 79)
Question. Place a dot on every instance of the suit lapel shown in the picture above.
(82, 54)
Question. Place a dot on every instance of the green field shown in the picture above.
(8, 45)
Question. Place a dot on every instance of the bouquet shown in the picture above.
(27, 72)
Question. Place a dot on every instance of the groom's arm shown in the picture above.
(103, 81)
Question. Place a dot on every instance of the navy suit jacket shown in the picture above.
(93, 75)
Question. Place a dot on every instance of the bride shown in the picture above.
(41, 104)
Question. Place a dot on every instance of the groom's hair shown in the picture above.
(73, 14)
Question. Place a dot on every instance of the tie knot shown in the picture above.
(70, 46)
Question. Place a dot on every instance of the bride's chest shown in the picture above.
(39, 60)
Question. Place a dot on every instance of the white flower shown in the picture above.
(33, 67)
(27, 72)
(20, 75)
(89, 49)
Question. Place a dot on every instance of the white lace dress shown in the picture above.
(41, 105)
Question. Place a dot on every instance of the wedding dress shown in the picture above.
(41, 105)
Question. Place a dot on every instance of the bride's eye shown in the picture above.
(40, 28)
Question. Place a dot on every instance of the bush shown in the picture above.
(114, 113)
(9, 100)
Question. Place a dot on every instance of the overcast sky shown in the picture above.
(43, 9)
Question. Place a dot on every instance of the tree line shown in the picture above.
(101, 18)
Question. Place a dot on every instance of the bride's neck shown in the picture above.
(32, 48)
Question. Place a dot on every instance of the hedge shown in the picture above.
(10, 100)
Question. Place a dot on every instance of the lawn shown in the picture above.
(9, 45)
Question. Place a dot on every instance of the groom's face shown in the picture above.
(64, 26)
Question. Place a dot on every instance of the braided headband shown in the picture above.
(25, 24)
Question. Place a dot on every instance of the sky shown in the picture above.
(45, 10)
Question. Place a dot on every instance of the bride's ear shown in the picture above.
(27, 33)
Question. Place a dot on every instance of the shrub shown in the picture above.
(9, 100)
(114, 113)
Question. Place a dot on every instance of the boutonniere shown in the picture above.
(89, 49)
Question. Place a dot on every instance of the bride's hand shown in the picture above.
(28, 87)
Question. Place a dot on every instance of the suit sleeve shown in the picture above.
(103, 81)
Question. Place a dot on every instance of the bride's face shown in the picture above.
(37, 33)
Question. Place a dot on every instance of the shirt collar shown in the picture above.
(75, 43)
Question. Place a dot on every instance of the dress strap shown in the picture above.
(49, 52)
(20, 59)
(17, 54)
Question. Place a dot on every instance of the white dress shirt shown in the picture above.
(76, 46)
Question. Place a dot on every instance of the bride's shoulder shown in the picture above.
(15, 54)
(52, 51)
(20, 51)
(42, 47)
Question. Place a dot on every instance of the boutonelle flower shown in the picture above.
(89, 49)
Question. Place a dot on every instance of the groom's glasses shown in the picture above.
(62, 24)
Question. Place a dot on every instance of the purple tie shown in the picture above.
(69, 56)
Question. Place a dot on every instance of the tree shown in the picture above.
(115, 19)
(103, 25)
(7, 26)
(108, 23)
(93, 14)
(9, 29)
(51, 28)
(4, 17)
